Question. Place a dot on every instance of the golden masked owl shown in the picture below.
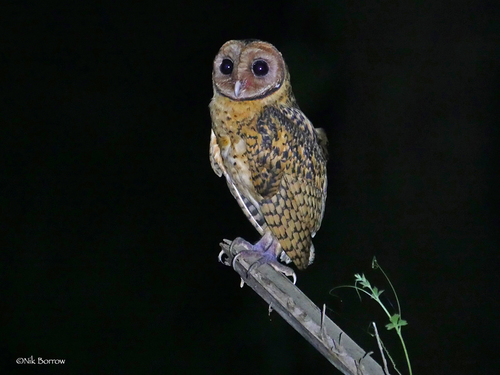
(272, 157)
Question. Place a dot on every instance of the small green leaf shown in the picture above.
(390, 326)
(364, 282)
(376, 292)
(395, 318)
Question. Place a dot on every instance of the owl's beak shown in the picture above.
(239, 86)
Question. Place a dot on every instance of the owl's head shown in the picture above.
(248, 69)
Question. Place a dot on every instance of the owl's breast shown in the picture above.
(234, 126)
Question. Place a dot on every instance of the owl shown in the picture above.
(272, 157)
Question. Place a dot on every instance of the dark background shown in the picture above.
(111, 214)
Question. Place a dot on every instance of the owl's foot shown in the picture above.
(265, 251)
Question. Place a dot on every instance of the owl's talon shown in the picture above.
(278, 267)
(223, 261)
(225, 256)
(286, 271)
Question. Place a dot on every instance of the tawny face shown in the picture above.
(248, 69)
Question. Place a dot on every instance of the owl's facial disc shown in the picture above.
(248, 70)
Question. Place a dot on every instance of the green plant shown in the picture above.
(395, 320)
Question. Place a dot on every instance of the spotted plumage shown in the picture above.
(272, 157)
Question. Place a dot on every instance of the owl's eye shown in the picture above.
(226, 67)
(260, 68)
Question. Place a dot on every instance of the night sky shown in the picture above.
(111, 214)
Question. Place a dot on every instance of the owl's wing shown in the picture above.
(288, 166)
(247, 204)
(320, 156)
